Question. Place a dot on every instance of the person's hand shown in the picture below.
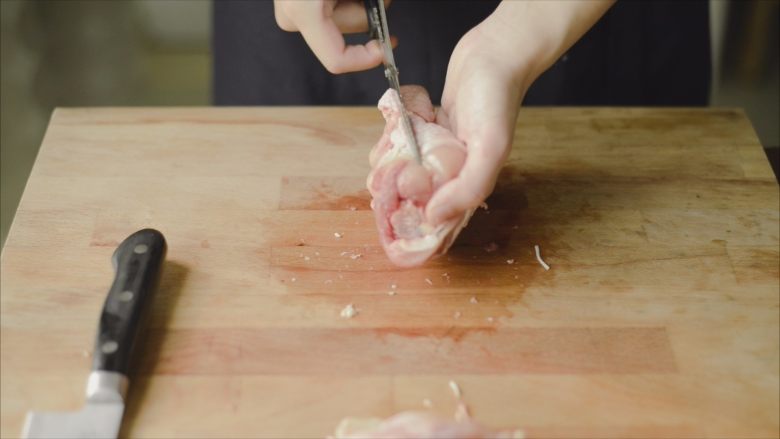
(488, 75)
(479, 105)
(322, 24)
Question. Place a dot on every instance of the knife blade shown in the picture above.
(137, 265)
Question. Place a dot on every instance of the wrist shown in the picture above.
(515, 44)
(532, 35)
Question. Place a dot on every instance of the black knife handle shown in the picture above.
(137, 265)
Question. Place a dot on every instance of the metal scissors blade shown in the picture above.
(377, 25)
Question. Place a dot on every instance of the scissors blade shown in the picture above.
(385, 39)
(391, 72)
(406, 124)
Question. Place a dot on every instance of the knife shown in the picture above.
(137, 265)
(378, 30)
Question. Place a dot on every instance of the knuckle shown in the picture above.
(493, 148)
(334, 66)
(284, 23)
(476, 193)
(471, 197)
(282, 19)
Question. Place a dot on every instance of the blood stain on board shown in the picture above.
(471, 271)
(324, 193)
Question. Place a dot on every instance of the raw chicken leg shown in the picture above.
(401, 187)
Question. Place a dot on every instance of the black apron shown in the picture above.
(640, 53)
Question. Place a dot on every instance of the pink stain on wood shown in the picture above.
(372, 351)
(324, 193)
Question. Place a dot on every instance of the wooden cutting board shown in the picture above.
(659, 317)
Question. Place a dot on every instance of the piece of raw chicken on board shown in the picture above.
(401, 187)
(418, 425)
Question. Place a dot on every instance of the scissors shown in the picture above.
(377, 30)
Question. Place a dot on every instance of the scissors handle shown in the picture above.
(374, 23)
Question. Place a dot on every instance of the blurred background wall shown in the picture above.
(92, 53)
(156, 52)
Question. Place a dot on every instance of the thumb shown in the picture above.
(450, 201)
(466, 191)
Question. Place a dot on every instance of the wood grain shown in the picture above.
(659, 317)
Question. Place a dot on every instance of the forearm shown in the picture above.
(534, 34)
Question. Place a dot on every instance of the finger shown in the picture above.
(350, 17)
(416, 100)
(443, 119)
(456, 197)
(470, 188)
(327, 43)
(281, 16)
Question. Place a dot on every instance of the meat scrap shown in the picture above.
(455, 389)
(348, 312)
(419, 425)
(539, 258)
(401, 188)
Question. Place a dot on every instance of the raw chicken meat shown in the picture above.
(418, 425)
(401, 187)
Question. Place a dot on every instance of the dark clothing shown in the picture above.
(639, 53)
